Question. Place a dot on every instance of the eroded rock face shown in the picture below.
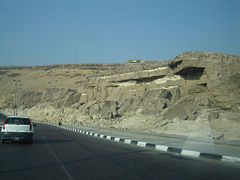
(155, 100)
(192, 90)
(181, 109)
(225, 92)
(61, 97)
(105, 110)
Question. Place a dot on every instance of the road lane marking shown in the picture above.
(164, 148)
(57, 159)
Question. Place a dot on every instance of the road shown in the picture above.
(61, 154)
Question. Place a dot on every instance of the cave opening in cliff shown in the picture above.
(191, 73)
(148, 79)
(174, 65)
(141, 80)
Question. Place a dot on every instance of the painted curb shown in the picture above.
(159, 147)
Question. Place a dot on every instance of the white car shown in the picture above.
(17, 128)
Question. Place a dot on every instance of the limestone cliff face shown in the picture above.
(196, 93)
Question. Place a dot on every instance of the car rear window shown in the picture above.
(19, 121)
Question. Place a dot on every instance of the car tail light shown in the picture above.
(5, 123)
(30, 124)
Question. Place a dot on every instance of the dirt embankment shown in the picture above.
(195, 94)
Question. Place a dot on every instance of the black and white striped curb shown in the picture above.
(163, 148)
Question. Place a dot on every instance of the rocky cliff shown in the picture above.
(194, 94)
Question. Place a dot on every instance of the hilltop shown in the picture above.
(194, 94)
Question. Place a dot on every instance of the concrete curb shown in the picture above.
(159, 147)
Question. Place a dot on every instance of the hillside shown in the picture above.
(195, 94)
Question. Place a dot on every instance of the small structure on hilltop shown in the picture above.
(134, 61)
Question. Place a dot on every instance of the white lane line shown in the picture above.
(57, 159)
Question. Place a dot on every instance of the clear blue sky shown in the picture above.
(39, 32)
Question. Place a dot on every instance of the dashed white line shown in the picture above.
(57, 159)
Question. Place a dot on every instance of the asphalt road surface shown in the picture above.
(61, 154)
